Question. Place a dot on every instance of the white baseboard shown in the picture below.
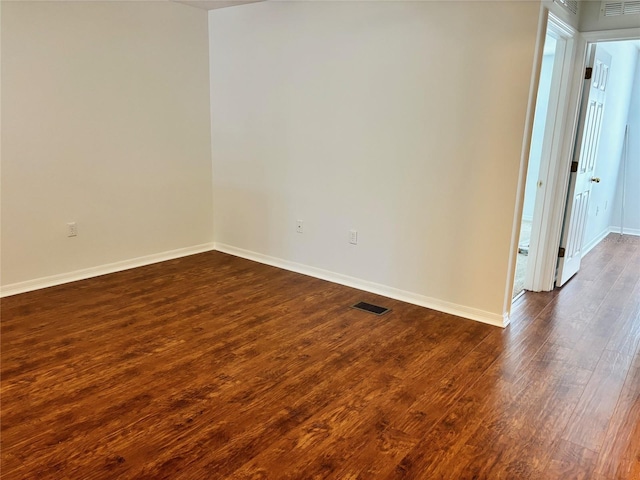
(44, 282)
(626, 231)
(593, 243)
(376, 288)
(613, 229)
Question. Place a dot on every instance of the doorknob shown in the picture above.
(595, 179)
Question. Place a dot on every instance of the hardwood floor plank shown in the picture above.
(620, 455)
(569, 460)
(524, 434)
(596, 407)
(625, 337)
(378, 402)
(211, 366)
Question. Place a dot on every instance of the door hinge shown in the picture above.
(574, 167)
(561, 252)
(587, 73)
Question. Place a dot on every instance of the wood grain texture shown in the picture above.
(211, 367)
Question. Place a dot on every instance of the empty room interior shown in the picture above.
(279, 239)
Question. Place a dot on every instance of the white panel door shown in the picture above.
(582, 178)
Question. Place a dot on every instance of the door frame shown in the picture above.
(547, 229)
(555, 149)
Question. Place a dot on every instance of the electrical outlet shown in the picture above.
(72, 229)
(353, 237)
(299, 226)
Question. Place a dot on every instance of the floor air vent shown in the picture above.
(368, 307)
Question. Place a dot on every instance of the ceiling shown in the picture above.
(213, 4)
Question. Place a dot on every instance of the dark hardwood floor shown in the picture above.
(211, 367)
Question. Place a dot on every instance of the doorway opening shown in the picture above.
(540, 228)
(615, 202)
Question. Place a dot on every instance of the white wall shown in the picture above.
(403, 120)
(632, 177)
(617, 102)
(105, 121)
